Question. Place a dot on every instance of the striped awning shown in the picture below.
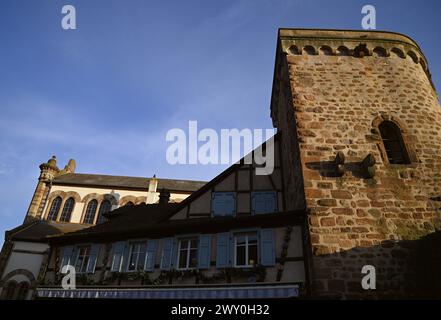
(245, 292)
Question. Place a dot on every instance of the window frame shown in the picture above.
(87, 210)
(400, 141)
(83, 263)
(131, 244)
(64, 210)
(188, 254)
(57, 198)
(245, 233)
(100, 218)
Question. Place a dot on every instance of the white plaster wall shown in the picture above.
(28, 261)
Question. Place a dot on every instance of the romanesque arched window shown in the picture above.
(67, 210)
(55, 208)
(393, 143)
(105, 207)
(89, 217)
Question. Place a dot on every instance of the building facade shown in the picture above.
(356, 183)
(63, 202)
(231, 238)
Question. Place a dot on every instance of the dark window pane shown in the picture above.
(105, 207)
(67, 210)
(141, 260)
(393, 143)
(55, 207)
(193, 258)
(194, 243)
(10, 290)
(241, 240)
(252, 254)
(90, 212)
(240, 256)
(183, 259)
(23, 289)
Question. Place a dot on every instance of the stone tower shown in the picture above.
(361, 129)
(48, 171)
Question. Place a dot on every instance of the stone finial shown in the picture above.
(71, 166)
(52, 161)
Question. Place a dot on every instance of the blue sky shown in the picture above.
(106, 93)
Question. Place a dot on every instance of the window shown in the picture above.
(223, 204)
(90, 212)
(55, 208)
(393, 143)
(67, 210)
(23, 289)
(137, 256)
(9, 290)
(130, 203)
(82, 259)
(105, 207)
(245, 249)
(263, 202)
(188, 253)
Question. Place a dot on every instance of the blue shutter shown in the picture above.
(166, 254)
(204, 251)
(94, 251)
(223, 255)
(67, 257)
(151, 255)
(267, 247)
(118, 251)
(263, 202)
(223, 204)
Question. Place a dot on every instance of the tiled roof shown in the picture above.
(39, 229)
(142, 221)
(99, 180)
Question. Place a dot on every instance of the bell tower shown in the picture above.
(48, 171)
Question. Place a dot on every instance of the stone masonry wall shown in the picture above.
(338, 102)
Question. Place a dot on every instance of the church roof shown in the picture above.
(98, 180)
(38, 230)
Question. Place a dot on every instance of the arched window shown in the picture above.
(9, 290)
(55, 208)
(393, 143)
(89, 217)
(105, 207)
(130, 203)
(67, 210)
(22, 290)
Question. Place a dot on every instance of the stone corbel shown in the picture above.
(339, 163)
(368, 165)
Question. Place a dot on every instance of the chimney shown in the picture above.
(164, 196)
